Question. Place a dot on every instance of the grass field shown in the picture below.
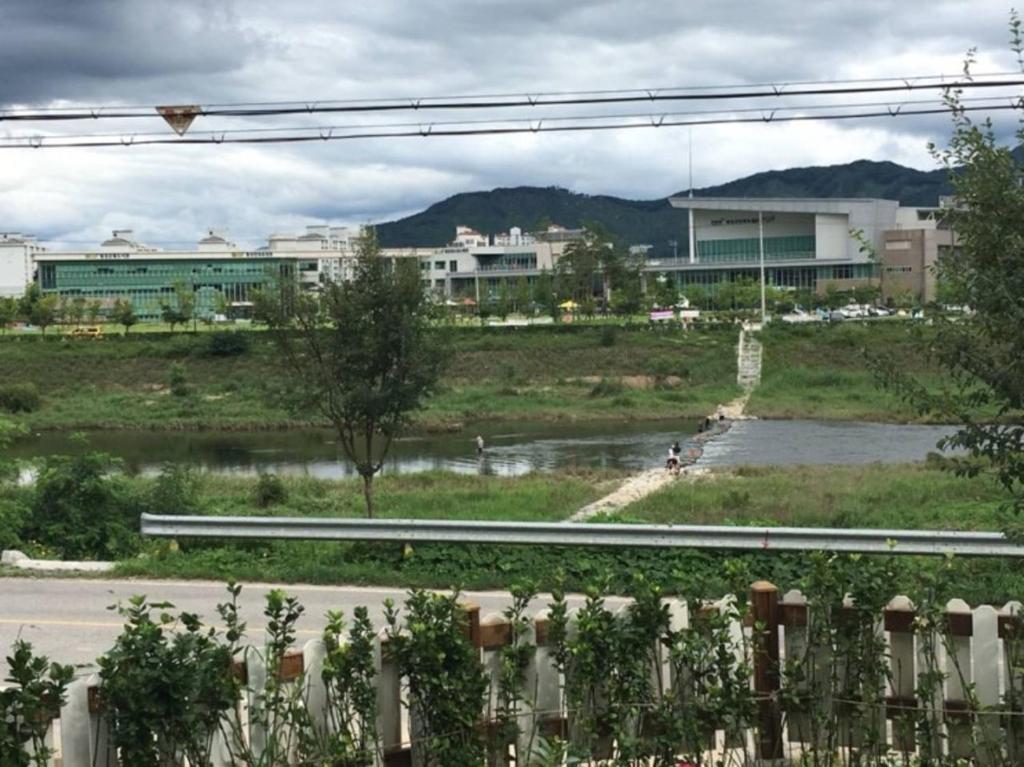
(904, 496)
(544, 373)
(820, 371)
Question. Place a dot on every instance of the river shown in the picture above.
(512, 449)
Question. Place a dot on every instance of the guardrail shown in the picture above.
(573, 534)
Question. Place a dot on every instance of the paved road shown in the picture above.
(67, 618)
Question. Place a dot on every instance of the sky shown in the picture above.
(148, 52)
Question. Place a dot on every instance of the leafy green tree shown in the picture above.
(94, 309)
(363, 353)
(76, 311)
(697, 296)
(667, 292)
(984, 351)
(545, 294)
(522, 295)
(503, 302)
(123, 314)
(43, 312)
(8, 312)
(28, 300)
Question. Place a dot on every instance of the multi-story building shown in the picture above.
(221, 275)
(17, 262)
(805, 244)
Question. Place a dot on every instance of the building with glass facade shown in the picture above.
(805, 244)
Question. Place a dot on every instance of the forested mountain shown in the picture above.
(655, 222)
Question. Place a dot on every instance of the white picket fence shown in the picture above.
(982, 638)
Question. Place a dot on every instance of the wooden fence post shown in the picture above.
(764, 600)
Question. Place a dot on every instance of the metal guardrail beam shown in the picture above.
(576, 534)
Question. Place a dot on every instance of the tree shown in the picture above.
(503, 302)
(697, 295)
(666, 295)
(545, 294)
(43, 313)
(186, 300)
(76, 311)
(522, 295)
(95, 311)
(8, 312)
(123, 314)
(983, 351)
(363, 352)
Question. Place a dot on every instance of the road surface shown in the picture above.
(67, 618)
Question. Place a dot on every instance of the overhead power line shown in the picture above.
(891, 106)
(591, 98)
(532, 126)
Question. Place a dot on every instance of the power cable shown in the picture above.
(427, 130)
(980, 102)
(502, 102)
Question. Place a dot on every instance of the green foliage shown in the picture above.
(123, 313)
(19, 397)
(79, 508)
(226, 343)
(175, 490)
(166, 683)
(178, 380)
(364, 353)
(444, 680)
(269, 491)
(607, 388)
(37, 691)
(348, 735)
(608, 336)
(8, 312)
(983, 352)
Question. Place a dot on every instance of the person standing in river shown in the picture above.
(479, 445)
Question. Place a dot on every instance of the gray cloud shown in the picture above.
(148, 51)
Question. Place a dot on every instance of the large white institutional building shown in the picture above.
(803, 244)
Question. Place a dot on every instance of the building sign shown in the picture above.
(768, 218)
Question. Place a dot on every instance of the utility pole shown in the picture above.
(760, 238)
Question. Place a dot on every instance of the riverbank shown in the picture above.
(553, 374)
(904, 496)
(544, 374)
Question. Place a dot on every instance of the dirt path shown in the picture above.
(749, 354)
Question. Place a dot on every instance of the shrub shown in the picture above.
(39, 690)
(79, 509)
(178, 381)
(175, 491)
(20, 398)
(270, 490)
(607, 388)
(226, 343)
(13, 516)
(608, 335)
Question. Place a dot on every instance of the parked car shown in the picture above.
(836, 315)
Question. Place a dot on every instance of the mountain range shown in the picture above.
(655, 222)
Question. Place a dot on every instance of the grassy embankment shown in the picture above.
(537, 373)
(907, 496)
(820, 371)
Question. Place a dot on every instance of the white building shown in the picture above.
(17, 262)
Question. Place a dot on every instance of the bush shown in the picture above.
(177, 380)
(20, 398)
(608, 335)
(175, 491)
(607, 388)
(270, 490)
(226, 343)
(79, 508)
(13, 516)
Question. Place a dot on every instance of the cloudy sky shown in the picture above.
(147, 52)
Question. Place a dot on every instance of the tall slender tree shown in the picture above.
(364, 353)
